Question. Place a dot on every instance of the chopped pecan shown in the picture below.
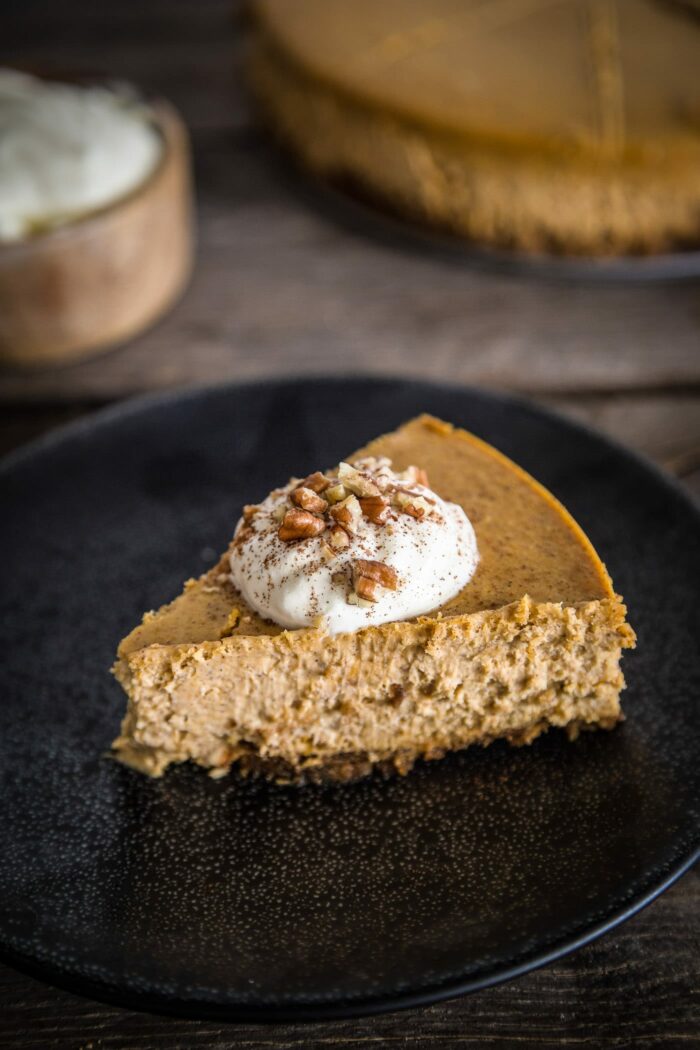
(376, 509)
(307, 499)
(358, 483)
(366, 589)
(381, 472)
(317, 482)
(372, 464)
(377, 571)
(338, 538)
(300, 525)
(412, 504)
(249, 512)
(347, 513)
(335, 493)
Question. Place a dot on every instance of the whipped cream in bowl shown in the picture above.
(67, 150)
(355, 546)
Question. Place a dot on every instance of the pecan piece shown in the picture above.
(412, 504)
(378, 571)
(347, 513)
(317, 482)
(249, 512)
(300, 525)
(307, 499)
(366, 589)
(357, 482)
(335, 493)
(338, 538)
(367, 576)
(376, 509)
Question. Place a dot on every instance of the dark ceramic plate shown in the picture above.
(236, 899)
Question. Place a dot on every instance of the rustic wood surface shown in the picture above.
(284, 286)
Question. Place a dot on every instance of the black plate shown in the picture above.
(234, 899)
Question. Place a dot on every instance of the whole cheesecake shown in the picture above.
(533, 639)
(546, 126)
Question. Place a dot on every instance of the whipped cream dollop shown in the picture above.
(67, 150)
(354, 546)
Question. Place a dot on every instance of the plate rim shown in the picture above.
(132, 404)
(129, 997)
(202, 1009)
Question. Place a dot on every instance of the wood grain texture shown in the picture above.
(282, 286)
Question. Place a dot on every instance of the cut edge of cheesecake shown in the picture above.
(207, 680)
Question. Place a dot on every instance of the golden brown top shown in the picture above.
(602, 78)
(528, 543)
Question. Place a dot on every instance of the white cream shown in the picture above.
(66, 150)
(296, 583)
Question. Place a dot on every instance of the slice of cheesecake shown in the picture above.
(533, 640)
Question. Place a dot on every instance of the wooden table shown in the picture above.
(282, 288)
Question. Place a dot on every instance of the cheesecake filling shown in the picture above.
(355, 546)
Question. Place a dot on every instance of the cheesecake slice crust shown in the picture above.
(534, 640)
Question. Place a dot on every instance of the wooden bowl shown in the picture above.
(103, 278)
